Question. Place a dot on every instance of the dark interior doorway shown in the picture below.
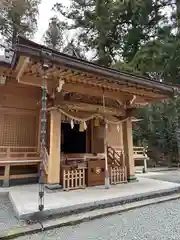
(73, 140)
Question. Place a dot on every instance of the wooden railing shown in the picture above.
(115, 158)
(140, 154)
(18, 152)
(73, 178)
(118, 175)
(18, 156)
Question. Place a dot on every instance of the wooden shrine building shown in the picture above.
(89, 118)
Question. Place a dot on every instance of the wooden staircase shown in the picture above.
(117, 167)
(115, 159)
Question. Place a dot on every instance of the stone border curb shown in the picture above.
(100, 204)
(13, 233)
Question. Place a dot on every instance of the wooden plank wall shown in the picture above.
(97, 139)
(115, 138)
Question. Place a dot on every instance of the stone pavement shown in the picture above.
(25, 198)
(117, 199)
(153, 222)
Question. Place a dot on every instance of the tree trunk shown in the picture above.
(100, 28)
(177, 127)
(178, 15)
(14, 36)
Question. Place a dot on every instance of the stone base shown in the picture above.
(5, 183)
(107, 183)
(132, 178)
(53, 187)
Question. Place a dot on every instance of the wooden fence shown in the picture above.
(118, 175)
(73, 179)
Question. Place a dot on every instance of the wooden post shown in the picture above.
(55, 148)
(107, 181)
(145, 165)
(128, 149)
(92, 136)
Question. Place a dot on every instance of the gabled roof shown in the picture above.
(25, 47)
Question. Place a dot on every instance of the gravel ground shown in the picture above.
(159, 221)
(155, 222)
(7, 218)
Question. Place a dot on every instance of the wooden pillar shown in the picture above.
(55, 148)
(92, 136)
(128, 149)
(106, 180)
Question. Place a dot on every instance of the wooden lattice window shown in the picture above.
(19, 130)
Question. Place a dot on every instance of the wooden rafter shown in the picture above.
(72, 77)
(86, 89)
(82, 82)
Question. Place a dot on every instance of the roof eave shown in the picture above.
(71, 62)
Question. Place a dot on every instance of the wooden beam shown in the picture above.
(22, 68)
(22, 176)
(121, 94)
(37, 81)
(18, 163)
(117, 95)
(113, 85)
(17, 111)
(85, 107)
(140, 91)
(95, 91)
(78, 88)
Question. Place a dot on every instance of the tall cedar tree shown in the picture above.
(99, 26)
(115, 29)
(18, 17)
(145, 38)
(160, 58)
(53, 37)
